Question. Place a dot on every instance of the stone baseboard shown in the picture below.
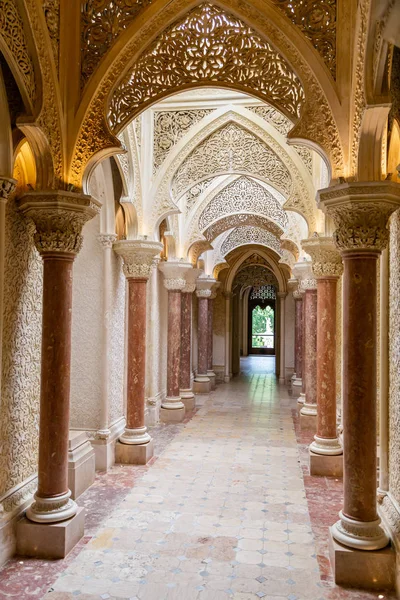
(81, 463)
(50, 540)
(364, 569)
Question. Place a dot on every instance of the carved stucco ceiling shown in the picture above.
(250, 235)
(239, 220)
(255, 275)
(243, 196)
(231, 148)
(207, 45)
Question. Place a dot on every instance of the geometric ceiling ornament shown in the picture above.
(242, 236)
(244, 196)
(231, 149)
(317, 21)
(207, 46)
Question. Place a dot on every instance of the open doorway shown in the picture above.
(262, 320)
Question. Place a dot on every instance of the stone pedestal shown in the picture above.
(172, 408)
(59, 217)
(133, 454)
(81, 463)
(50, 540)
(326, 466)
(360, 211)
(373, 570)
(138, 256)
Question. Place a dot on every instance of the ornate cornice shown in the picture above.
(361, 211)
(326, 260)
(138, 257)
(59, 218)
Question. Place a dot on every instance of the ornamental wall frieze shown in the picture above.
(250, 235)
(232, 43)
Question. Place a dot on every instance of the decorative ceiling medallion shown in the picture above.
(317, 21)
(231, 149)
(102, 22)
(207, 46)
(250, 235)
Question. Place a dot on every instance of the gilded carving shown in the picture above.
(273, 117)
(220, 45)
(51, 9)
(317, 21)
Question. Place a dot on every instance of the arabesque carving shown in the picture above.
(250, 235)
(273, 117)
(12, 31)
(317, 21)
(326, 260)
(220, 45)
(51, 9)
(245, 196)
(169, 127)
(190, 197)
(240, 220)
(138, 257)
(231, 148)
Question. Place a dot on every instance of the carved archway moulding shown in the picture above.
(318, 123)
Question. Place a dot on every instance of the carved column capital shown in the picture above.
(138, 257)
(326, 260)
(205, 286)
(7, 186)
(360, 211)
(190, 277)
(59, 218)
(174, 274)
(106, 240)
(203, 293)
(303, 272)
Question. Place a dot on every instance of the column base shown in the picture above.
(202, 384)
(188, 399)
(172, 403)
(360, 535)
(81, 463)
(366, 570)
(135, 437)
(52, 510)
(302, 398)
(134, 454)
(308, 422)
(325, 465)
(172, 415)
(326, 446)
(212, 377)
(297, 383)
(50, 540)
(308, 409)
(282, 380)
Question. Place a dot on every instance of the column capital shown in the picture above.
(303, 272)
(7, 186)
(138, 256)
(204, 286)
(326, 260)
(190, 276)
(59, 217)
(106, 240)
(174, 274)
(360, 211)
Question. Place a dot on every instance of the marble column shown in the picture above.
(186, 392)
(298, 336)
(59, 218)
(172, 408)
(384, 377)
(210, 372)
(308, 411)
(228, 320)
(282, 296)
(360, 211)
(326, 451)
(135, 445)
(202, 383)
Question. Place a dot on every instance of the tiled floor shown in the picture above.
(222, 513)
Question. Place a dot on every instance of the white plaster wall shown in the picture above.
(87, 338)
(117, 390)
(289, 334)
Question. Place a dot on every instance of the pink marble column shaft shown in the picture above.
(202, 339)
(186, 325)
(136, 353)
(174, 343)
(326, 358)
(359, 385)
(210, 332)
(310, 353)
(298, 344)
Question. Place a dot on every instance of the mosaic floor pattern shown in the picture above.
(221, 514)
